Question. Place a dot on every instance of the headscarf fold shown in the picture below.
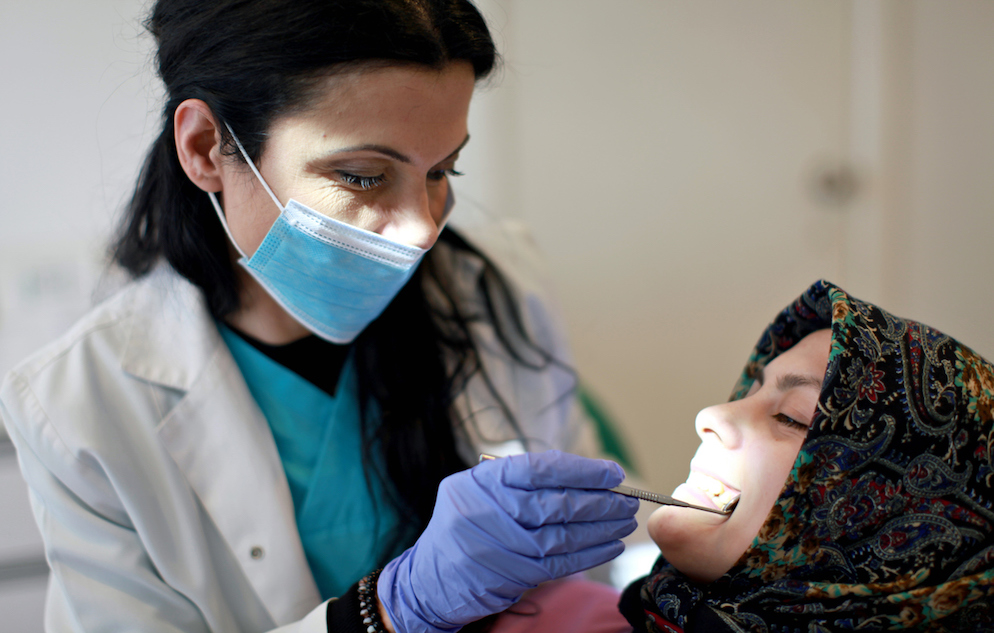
(886, 521)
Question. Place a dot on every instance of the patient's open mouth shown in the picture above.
(712, 490)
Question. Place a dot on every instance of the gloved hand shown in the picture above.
(501, 528)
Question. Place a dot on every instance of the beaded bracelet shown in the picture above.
(368, 605)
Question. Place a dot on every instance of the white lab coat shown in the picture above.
(154, 477)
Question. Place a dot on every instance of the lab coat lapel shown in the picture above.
(221, 442)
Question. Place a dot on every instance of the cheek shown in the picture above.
(437, 197)
(338, 204)
(249, 217)
(771, 467)
(764, 483)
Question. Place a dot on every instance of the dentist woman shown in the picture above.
(289, 394)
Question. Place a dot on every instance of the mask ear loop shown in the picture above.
(265, 185)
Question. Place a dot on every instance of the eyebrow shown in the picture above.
(388, 151)
(786, 382)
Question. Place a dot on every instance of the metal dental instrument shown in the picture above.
(656, 497)
(666, 500)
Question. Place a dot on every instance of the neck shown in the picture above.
(259, 316)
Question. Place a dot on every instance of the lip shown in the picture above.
(708, 473)
(688, 493)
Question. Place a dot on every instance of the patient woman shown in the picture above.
(883, 430)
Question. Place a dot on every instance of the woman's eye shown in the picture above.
(438, 174)
(790, 422)
(362, 182)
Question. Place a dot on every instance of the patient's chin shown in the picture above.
(673, 524)
(692, 541)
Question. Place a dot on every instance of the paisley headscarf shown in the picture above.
(886, 521)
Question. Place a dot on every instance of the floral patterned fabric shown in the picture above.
(886, 521)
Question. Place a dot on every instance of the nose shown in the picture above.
(415, 222)
(719, 423)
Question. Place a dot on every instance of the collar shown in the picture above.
(172, 335)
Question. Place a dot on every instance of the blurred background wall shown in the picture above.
(687, 167)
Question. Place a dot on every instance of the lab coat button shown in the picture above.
(256, 553)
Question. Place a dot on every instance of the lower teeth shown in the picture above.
(714, 489)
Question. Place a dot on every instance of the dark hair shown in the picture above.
(252, 61)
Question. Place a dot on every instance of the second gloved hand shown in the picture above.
(501, 528)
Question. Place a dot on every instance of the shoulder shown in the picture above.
(101, 326)
(113, 369)
(155, 304)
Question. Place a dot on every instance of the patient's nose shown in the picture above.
(720, 423)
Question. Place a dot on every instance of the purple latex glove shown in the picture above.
(500, 529)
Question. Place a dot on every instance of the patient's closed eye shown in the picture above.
(790, 422)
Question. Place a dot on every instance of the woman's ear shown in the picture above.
(198, 144)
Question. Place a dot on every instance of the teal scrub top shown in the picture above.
(346, 524)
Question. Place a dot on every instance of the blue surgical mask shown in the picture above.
(333, 278)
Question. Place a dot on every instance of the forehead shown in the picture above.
(808, 357)
(380, 96)
(415, 111)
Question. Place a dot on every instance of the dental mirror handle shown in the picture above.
(655, 497)
(666, 500)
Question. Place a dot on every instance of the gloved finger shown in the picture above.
(562, 538)
(568, 564)
(532, 508)
(555, 469)
(547, 540)
(538, 570)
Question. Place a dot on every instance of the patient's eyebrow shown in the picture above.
(788, 381)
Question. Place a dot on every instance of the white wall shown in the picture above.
(951, 170)
(666, 154)
(77, 111)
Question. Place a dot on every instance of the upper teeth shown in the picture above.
(712, 487)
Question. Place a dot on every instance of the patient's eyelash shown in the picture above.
(790, 422)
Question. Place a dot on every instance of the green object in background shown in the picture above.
(611, 440)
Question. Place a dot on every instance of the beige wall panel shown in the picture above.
(663, 153)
